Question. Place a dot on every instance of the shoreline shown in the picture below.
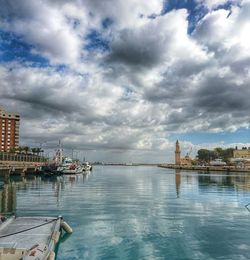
(204, 168)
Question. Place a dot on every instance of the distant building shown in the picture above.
(9, 125)
(242, 153)
(186, 161)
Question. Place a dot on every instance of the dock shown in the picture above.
(19, 164)
(19, 167)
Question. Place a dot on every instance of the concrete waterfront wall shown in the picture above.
(205, 168)
(13, 167)
(19, 163)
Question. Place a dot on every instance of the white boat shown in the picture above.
(217, 162)
(86, 166)
(69, 167)
(26, 238)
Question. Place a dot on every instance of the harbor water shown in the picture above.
(141, 212)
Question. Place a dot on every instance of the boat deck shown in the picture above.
(33, 231)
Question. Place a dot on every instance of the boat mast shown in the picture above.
(60, 152)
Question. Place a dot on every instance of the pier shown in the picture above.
(19, 163)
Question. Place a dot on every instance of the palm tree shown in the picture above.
(26, 149)
(39, 150)
(20, 149)
(13, 150)
(34, 150)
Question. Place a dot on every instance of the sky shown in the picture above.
(120, 81)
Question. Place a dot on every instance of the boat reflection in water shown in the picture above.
(9, 190)
(8, 199)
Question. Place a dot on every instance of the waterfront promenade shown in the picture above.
(205, 168)
(19, 163)
(18, 167)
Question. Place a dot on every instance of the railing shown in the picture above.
(20, 157)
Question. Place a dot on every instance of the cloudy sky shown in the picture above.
(122, 80)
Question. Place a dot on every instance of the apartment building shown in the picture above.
(9, 125)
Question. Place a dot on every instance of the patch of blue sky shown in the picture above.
(95, 41)
(13, 48)
(240, 136)
(106, 23)
(196, 11)
(128, 92)
(228, 5)
(74, 22)
(60, 67)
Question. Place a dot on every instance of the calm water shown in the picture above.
(142, 213)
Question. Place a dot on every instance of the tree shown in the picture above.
(20, 149)
(34, 150)
(26, 149)
(203, 155)
(227, 154)
(208, 155)
(218, 151)
(39, 150)
(13, 150)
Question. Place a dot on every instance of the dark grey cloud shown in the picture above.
(135, 49)
(222, 95)
(241, 66)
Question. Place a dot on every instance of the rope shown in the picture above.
(246, 206)
(21, 231)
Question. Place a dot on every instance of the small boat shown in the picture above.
(47, 171)
(86, 166)
(26, 238)
(67, 166)
(217, 162)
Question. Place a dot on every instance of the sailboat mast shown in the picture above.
(60, 152)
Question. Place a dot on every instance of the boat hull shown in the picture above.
(29, 238)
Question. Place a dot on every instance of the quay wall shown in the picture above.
(205, 168)
(19, 163)
(15, 167)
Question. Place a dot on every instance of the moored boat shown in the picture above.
(86, 166)
(26, 238)
(69, 167)
(47, 171)
(217, 162)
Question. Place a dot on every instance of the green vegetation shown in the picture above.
(26, 150)
(205, 155)
(23, 153)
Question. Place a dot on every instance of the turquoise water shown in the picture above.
(142, 213)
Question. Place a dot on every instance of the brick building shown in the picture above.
(9, 125)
